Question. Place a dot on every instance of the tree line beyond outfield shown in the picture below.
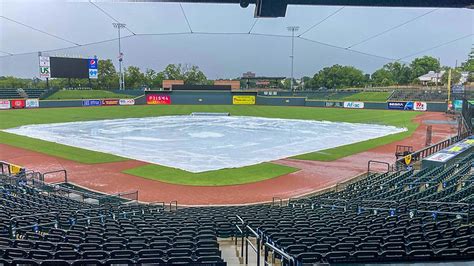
(333, 77)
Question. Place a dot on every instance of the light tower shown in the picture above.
(119, 26)
(293, 29)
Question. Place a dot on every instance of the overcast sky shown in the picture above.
(366, 38)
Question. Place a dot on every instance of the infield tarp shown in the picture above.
(204, 143)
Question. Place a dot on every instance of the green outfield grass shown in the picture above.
(85, 94)
(15, 118)
(223, 177)
(378, 96)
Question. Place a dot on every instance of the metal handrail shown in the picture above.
(290, 259)
(56, 171)
(175, 204)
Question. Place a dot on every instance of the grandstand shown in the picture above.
(12, 93)
(400, 216)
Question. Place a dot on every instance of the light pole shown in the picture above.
(293, 29)
(118, 26)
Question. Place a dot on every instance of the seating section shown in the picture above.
(420, 94)
(9, 93)
(34, 93)
(404, 216)
(12, 93)
(71, 232)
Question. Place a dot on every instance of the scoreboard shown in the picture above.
(64, 67)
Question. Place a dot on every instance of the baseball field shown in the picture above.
(227, 176)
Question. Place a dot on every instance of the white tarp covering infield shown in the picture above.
(204, 143)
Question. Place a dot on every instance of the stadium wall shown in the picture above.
(53, 103)
(226, 98)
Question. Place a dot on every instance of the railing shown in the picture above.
(249, 243)
(240, 228)
(427, 151)
(14, 220)
(436, 212)
(246, 232)
(55, 172)
(276, 201)
(275, 250)
(371, 162)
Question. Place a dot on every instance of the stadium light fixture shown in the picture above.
(293, 29)
(119, 26)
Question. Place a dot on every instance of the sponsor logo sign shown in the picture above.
(93, 66)
(15, 169)
(44, 67)
(158, 99)
(110, 102)
(243, 99)
(93, 63)
(126, 101)
(355, 105)
(93, 73)
(457, 105)
(441, 157)
(420, 106)
(4, 104)
(400, 105)
(407, 159)
(32, 103)
(17, 104)
(45, 72)
(91, 103)
(44, 61)
(334, 104)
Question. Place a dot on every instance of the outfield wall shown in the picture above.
(229, 98)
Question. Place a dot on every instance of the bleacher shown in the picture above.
(34, 93)
(402, 216)
(9, 94)
(420, 94)
(13, 93)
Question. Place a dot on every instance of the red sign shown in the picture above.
(17, 104)
(158, 99)
(110, 102)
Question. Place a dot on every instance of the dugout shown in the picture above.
(450, 154)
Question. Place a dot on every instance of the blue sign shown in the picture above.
(91, 103)
(400, 105)
(93, 73)
(93, 63)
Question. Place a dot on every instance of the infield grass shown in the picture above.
(222, 177)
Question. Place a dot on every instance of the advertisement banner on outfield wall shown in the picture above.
(400, 105)
(457, 105)
(355, 105)
(110, 102)
(91, 103)
(334, 104)
(4, 104)
(32, 103)
(243, 99)
(126, 101)
(420, 106)
(158, 99)
(17, 104)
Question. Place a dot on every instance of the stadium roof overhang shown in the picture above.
(277, 8)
